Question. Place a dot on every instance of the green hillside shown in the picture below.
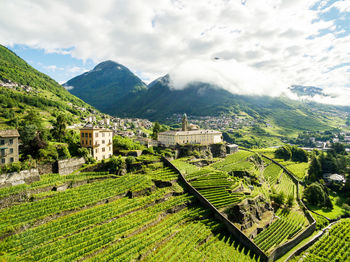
(23, 88)
(106, 85)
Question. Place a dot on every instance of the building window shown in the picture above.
(2, 142)
(2, 152)
(11, 159)
(103, 149)
(90, 142)
(96, 150)
(96, 134)
(103, 134)
(103, 141)
(90, 135)
(11, 141)
(11, 150)
(3, 161)
(110, 149)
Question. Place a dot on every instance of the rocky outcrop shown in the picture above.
(248, 212)
(203, 151)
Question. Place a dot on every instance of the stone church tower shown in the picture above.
(184, 123)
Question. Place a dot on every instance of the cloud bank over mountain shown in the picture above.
(263, 45)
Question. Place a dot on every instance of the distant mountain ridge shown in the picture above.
(106, 85)
(159, 101)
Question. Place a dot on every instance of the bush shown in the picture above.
(278, 199)
(315, 195)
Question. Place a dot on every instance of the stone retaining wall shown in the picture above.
(68, 166)
(16, 178)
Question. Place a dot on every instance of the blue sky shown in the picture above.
(59, 66)
(264, 46)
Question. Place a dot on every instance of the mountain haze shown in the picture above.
(106, 85)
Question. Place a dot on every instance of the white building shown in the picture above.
(189, 136)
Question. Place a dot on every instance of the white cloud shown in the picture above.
(264, 45)
(68, 87)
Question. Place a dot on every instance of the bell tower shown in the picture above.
(184, 123)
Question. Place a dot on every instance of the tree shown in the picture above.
(315, 195)
(156, 130)
(284, 152)
(59, 128)
(115, 164)
(299, 154)
(315, 170)
(339, 148)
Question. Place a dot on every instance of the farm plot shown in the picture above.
(286, 227)
(184, 167)
(235, 162)
(164, 174)
(94, 222)
(333, 246)
(216, 187)
(272, 172)
(51, 180)
(286, 185)
(27, 213)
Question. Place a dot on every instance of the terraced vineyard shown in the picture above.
(286, 227)
(333, 246)
(235, 162)
(215, 186)
(51, 180)
(279, 180)
(100, 221)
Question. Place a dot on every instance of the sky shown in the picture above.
(251, 47)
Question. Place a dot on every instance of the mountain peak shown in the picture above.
(106, 85)
(109, 65)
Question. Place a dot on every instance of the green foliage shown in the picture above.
(315, 194)
(125, 143)
(155, 130)
(315, 170)
(114, 164)
(278, 198)
(54, 151)
(294, 153)
(284, 152)
(59, 128)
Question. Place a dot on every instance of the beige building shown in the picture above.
(190, 134)
(8, 146)
(98, 140)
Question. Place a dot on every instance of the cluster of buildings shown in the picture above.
(15, 86)
(218, 122)
(99, 139)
